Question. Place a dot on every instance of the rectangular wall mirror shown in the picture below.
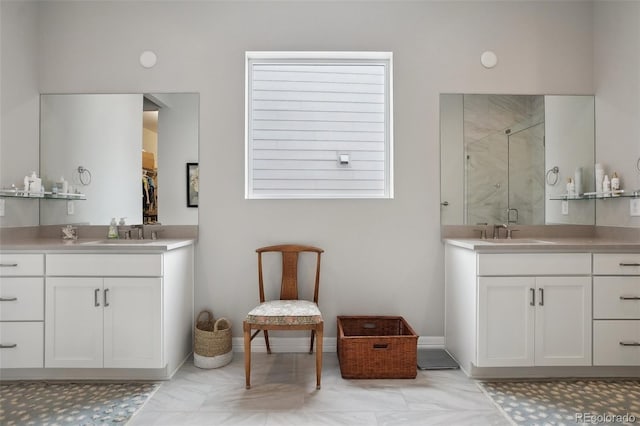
(503, 158)
(133, 150)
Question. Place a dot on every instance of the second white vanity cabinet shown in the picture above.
(531, 312)
(508, 310)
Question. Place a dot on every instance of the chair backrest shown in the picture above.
(289, 285)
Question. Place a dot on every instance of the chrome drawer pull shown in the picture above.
(13, 345)
(106, 303)
(95, 297)
(8, 299)
(629, 344)
(629, 298)
(629, 264)
(8, 265)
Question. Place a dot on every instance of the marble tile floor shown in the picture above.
(283, 393)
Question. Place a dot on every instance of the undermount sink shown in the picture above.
(517, 241)
(116, 242)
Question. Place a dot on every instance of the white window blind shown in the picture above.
(318, 125)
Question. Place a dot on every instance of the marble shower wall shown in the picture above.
(504, 171)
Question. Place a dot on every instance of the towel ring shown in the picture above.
(84, 175)
(552, 174)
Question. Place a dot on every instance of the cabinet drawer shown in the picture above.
(616, 264)
(109, 265)
(25, 341)
(22, 299)
(534, 264)
(21, 264)
(614, 342)
(616, 298)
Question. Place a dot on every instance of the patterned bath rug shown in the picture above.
(46, 403)
(567, 402)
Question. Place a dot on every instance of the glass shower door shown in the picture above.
(526, 176)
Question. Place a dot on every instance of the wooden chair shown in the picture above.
(287, 313)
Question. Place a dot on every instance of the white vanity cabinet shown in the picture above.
(118, 311)
(616, 309)
(21, 310)
(104, 322)
(534, 321)
(517, 309)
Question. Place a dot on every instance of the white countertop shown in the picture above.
(544, 244)
(96, 245)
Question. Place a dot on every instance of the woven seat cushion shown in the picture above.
(285, 312)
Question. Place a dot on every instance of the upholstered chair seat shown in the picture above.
(285, 312)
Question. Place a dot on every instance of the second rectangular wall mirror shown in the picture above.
(504, 157)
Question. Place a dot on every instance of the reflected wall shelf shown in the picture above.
(23, 195)
(595, 196)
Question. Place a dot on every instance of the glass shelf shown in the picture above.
(596, 196)
(24, 195)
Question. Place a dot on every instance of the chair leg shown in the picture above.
(247, 353)
(266, 340)
(319, 337)
(313, 333)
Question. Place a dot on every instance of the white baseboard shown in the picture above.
(301, 344)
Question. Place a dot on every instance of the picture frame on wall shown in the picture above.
(193, 184)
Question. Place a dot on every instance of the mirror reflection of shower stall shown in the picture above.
(504, 159)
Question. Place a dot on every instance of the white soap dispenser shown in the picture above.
(571, 189)
(606, 186)
(63, 185)
(577, 180)
(615, 183)
(113, 229)
(35, 183)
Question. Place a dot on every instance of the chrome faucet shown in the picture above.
(496, 230)
(140, 229)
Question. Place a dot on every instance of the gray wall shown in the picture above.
(177, 146)
(382, 256)
(19, 104)
(617, 89)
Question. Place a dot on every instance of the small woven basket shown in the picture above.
(212, 343)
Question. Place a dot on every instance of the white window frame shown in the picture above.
(378, 58)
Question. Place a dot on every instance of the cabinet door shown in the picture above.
(133, 323)
(563, 321)
(505, 321)
(73, 325)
